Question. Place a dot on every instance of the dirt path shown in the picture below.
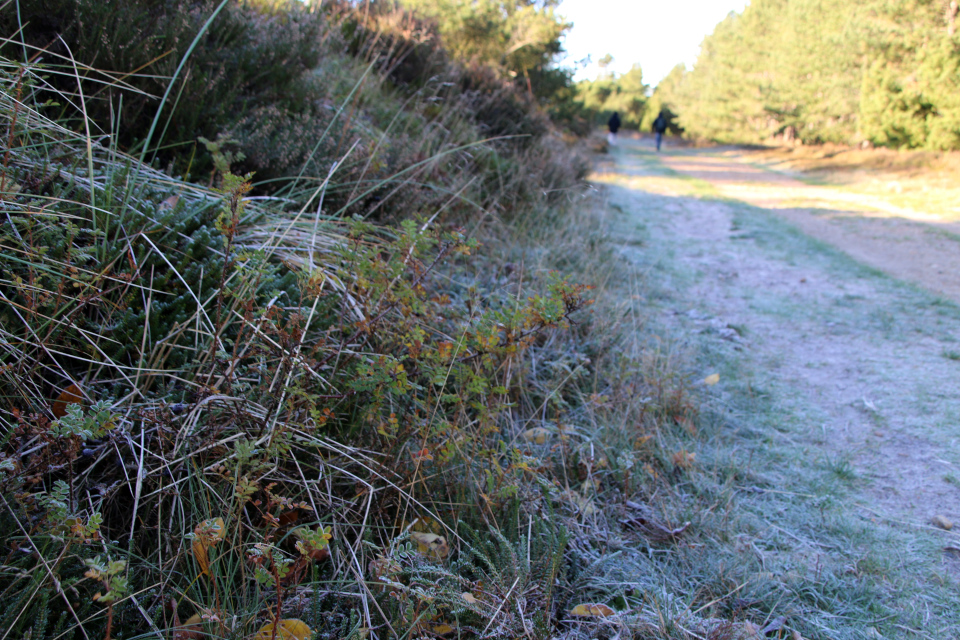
(907, 244)
(865, 366)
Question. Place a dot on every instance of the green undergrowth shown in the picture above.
(331, 341)
(368, 390)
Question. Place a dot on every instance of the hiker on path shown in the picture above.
(659, 126)
(614, 124)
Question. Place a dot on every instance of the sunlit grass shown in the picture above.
(921, 181)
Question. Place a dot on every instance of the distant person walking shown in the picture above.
(614, 124)
(659, 126)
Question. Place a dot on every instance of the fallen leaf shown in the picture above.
(207, 534)
(469, 598)
(70, 395)
(424, 525)
(596, 610)
(203, 558)
(442, 629)
(775, 625)
(583, 504)
(170, 202)
(12, 188)
(684, 459)
(287, 629)
(536, 435)
(214, 529)
(430, 544)
(192, 629)
(423, 455)
(711, 379)
(288, 518)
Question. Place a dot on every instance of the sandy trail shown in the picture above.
(907, 244)
(869, 366)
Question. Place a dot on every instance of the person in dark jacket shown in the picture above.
(614, 125)
(659, 126)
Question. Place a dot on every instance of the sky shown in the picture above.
(658, 34)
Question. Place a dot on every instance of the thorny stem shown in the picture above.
(276, 582)
(109, 621)
(230, 231)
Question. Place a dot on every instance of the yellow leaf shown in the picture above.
(597, 610)
(442, 629)
(205, 535)
(424, 525)
(430, 544)
(684, 459)
(287, 629)
(212, 530)
(537, 435)
(583, 504)
(469, 598)
(711, 379)
(200, 553)
(192, 629)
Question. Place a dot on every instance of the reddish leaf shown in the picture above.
(70, 395)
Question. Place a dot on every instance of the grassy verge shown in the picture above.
(923, 181)
(400, 383)
(233, 405)
(781, 538)
(238, 408)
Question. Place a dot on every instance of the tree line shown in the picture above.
(521, 41)
(880, 72)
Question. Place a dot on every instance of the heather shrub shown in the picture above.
(302, 89)
(109, 271)
(215, 361)
(252, 55)
(315, 344)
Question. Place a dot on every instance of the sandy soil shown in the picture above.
(870, 365)
(907, 244)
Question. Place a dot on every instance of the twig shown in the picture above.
(502, 602)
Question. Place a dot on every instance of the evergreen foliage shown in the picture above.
(882, 71)
(625, 94)
(520, 38)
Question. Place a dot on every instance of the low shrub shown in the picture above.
(200, 386)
